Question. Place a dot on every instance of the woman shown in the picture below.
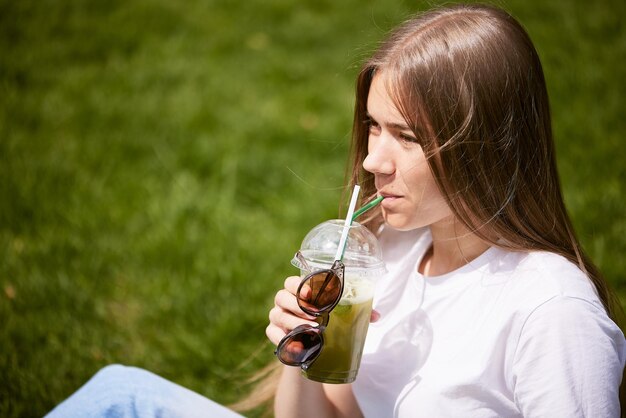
(490, 307)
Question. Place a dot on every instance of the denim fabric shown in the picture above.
(128, 392)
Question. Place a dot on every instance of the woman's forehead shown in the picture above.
(380, 103)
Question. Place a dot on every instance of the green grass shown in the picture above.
(160, 162)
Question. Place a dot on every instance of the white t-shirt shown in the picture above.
(510, 334)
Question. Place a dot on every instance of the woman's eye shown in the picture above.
(373, 126)
(408, 138)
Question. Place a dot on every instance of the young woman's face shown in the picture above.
(412, 198)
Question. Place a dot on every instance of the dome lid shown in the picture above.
(363, 254)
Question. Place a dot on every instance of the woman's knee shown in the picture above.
(110, 392)
(123, 378)
(111, 371)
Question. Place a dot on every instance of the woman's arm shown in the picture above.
(300, 397)
(297, 396)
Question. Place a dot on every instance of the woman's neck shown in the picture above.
(454, 245)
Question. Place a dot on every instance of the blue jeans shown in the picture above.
(128, 392)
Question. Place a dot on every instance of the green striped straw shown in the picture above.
(352, 215)
(367, 207)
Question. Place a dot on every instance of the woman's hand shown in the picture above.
(296, 395)
(287, 315)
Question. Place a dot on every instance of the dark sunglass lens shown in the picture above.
(302, 346)
(319, 291)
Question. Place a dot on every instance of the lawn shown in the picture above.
(161, 161)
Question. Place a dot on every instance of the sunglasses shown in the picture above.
(318, 294)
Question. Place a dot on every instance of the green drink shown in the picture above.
(345, 334)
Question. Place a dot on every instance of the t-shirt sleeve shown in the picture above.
(569, 361)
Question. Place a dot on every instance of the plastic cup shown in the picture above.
(345, 333)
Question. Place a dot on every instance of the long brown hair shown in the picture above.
(468, 81)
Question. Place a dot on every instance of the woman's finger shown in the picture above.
(274, 333)
(374, 316)
(288, 302)
(292, 283)
(286, 320)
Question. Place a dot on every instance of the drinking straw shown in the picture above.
(367, 207)
(346, 226)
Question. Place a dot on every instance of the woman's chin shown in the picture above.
(400, 222)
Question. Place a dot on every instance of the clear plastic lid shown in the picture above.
(362, 255)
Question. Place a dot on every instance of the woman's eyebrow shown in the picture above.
(398, 126)
(392, 125)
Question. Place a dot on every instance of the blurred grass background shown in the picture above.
(161, 161)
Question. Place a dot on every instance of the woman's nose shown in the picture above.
(378, 160)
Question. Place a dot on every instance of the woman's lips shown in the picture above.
(389, 199)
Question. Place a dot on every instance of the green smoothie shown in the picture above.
(345, 334)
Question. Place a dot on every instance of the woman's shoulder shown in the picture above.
(538, 277)
(563, 339)
(546, 296)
